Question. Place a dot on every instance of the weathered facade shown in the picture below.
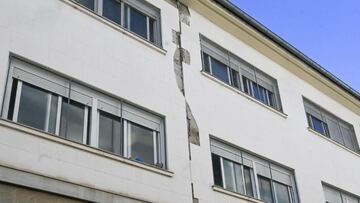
(167, 101)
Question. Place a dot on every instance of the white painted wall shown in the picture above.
(56, 35)
(67, 40)
(234, 118)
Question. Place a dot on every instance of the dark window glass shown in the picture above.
(282, 193)
(317, 125)
(217, 170)
(112, 10)
(272, 101)
(12, 100)
(247, 86)
(34, 107)
(239, 179)
(219, 70)
(110, 133)
(138, 22)
(206, 63)
(53, 114)
(72, 121)
(235, 78)
(256, 89)
(152, 29)
(142, 143)
(229, 175)
(90, 4)
(265, 189)
(248, 181)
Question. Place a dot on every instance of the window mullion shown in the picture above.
(210, 64)
(48, 109)
(222, 172)
(17, 101)
(126, 138)
(257, 189)
(147, 28)
(99, 7)
(58, 115)
(155, 147)
(94, 132)
(86, 123)
(243, 178)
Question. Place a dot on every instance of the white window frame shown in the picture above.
(311, 108)
(234, 62)
(237, 155)
(90, 99)
(147, 9)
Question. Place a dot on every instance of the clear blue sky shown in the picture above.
(328, 31)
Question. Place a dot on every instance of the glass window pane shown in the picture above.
(282, 193)
(349, 199)
(235, 80)
(272, 101)
(219, 70)
(112, 10)
(72, 121)
(206, 63)
(229, 175)
(141, 143)
(317, 125)
(138, 22)
(239, 179)
(247, 87)
(90, 4)
(53, 114)
(265, 189)
(248, 181)
(33, 108)
(217, 170)
(332, 195)
(110, 133)
(152, 30)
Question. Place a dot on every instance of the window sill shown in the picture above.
(334, 142)
(115, 26)
(86, 148)
(244, 94)
(236, 195)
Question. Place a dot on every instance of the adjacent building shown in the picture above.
(167, 101)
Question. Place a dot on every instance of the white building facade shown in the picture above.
(167, 101)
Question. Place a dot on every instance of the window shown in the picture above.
(330, 126)
(74, 121)
(333, 195)
(235, 72)
(90, 4)
(137, 16)
(244, 173)
(110, 136)
(42, 100)
(265, 189)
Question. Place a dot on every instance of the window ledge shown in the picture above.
(86, 148)
(244, 94)
(115, 26)
(237, 195)
(334, 142)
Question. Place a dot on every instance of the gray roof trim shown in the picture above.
(285, 45)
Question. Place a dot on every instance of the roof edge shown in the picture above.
(287, 46)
